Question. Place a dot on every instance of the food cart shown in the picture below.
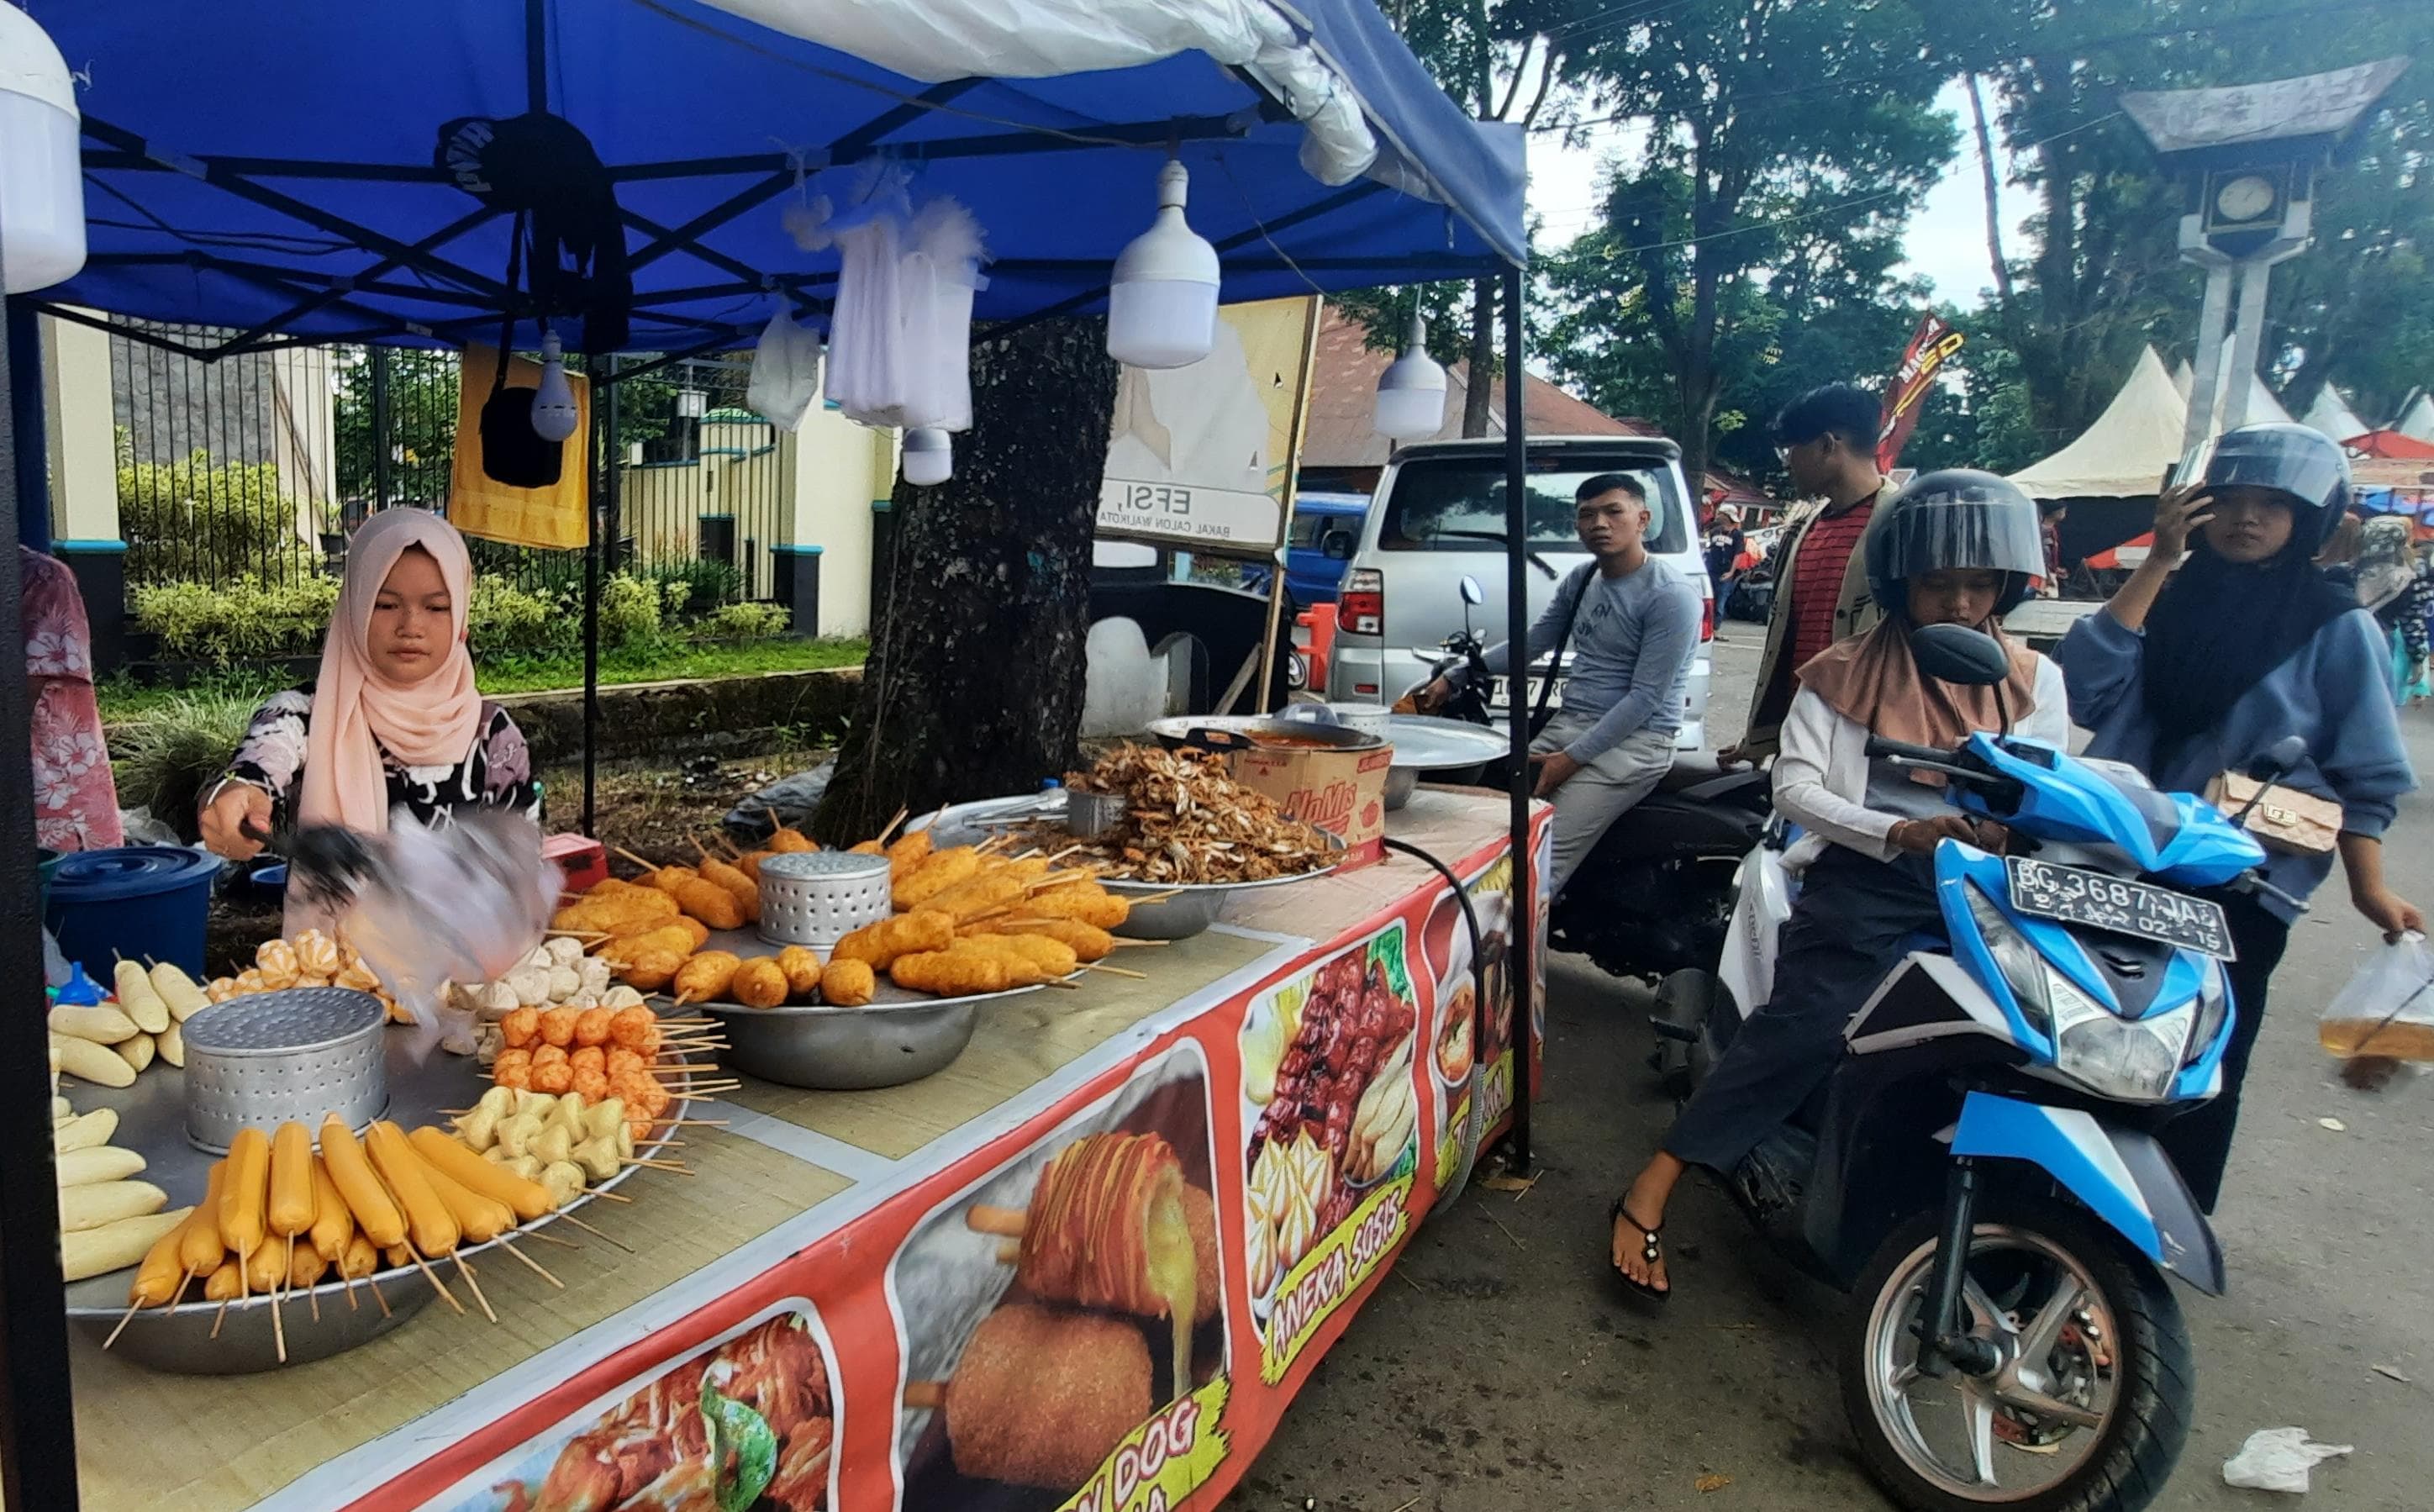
(273, 164)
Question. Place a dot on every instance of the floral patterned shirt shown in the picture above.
(76, 803)
(496, 773)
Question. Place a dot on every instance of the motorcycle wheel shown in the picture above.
(2093, 1402)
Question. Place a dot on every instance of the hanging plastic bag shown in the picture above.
(785, 373)
(2385, 1012)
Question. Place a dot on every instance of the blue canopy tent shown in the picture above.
(267, 167)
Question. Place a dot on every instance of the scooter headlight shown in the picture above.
(2023, 969)
(2213, 1009)
(2134, 1059)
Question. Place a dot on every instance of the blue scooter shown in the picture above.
(1980, 1174)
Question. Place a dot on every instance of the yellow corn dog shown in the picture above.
(246, 1190)
(333, 1225)
(527, 1199)
(367, 1199)
(292, 1209)
(428, 1222)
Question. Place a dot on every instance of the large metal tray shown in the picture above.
(151, 1122)
(1185, 909)
(899, 1035)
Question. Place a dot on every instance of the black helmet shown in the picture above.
(2293, 459)
(1956, 518)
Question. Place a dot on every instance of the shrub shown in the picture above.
(163, 759)
(629, 611)
(746, 622)
(200, 517)
(249, 619)
(697, 586)
(504, 620)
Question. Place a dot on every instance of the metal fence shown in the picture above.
(254, 466)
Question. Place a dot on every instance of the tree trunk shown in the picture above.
(974, 682)
(1991, 184)
(1478, 397)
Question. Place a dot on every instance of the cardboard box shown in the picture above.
(1343, 791)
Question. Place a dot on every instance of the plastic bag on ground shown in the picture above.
(2278, 1459)
(785, 373)
(2385, 1009)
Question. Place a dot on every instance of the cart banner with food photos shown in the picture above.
(1085, 1267)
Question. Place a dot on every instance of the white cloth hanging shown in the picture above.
(899, 335)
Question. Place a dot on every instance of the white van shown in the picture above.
(1438, 514)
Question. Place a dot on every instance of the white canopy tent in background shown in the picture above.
(2416, 419)
(2124, 454)
(2332, 415)
(2262, 405)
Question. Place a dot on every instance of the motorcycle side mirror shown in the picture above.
(1956, 654)
(1471, 593)
(2279, 760)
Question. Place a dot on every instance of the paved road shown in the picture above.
(1496, 1371)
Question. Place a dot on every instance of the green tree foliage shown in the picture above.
(201, 517)
(1761, 220)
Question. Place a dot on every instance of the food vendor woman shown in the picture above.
(393, 720)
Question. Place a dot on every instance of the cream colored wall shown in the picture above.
(839, 467)
(76, 414)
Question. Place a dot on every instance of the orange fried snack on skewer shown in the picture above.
(1110, 1225)
(1043, 1394)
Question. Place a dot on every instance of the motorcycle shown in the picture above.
(1654, 895)
(1981, 1173)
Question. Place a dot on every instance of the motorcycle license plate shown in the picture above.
(2074, 895)
(1500, 697)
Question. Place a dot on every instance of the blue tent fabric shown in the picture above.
(248, 158)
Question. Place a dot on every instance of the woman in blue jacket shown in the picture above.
(2185, 675)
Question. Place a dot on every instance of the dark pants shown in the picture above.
(2199, 1140)
(1845, 932)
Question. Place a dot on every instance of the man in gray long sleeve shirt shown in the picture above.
(1635, 631)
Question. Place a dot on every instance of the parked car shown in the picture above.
(1312, 576)
(1439, 515)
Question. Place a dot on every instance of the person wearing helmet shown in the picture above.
(1955, 547)
(2189, 674)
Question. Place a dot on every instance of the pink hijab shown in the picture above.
(356, 712)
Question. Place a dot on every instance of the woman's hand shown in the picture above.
(1921, 836)
(2179, 513)
(2388, 912)
(236, 821)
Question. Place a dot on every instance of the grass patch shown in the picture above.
(667, 661)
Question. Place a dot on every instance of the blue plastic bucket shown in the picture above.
(134, 902)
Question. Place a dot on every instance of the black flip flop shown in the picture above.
(1652, 1250)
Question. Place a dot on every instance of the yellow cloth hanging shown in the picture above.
(554, 518)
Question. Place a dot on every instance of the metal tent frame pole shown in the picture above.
(38, 1464)
(1524, 940)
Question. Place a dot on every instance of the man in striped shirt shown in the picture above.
(1827, 441)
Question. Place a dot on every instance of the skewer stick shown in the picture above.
(1067, 852)
(694, 841)
(535, 1232)
(647, 865)
(1123, 944)
(697, 1123)
(901, 814)
(1116, 970)
(436, 1285)
(1007, 1223)
(313, 1294)
(217, 1317)
(466, 1272)
(532, 1264)
(924, 1395)
(278, 1327)
(349, 1282)
(664, 1165)
(379, 1296)
(604, 1195)
(568, 1218)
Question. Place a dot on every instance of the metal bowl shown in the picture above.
(882, 1045)
(180, 1341)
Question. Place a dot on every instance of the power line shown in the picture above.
(1938, 69)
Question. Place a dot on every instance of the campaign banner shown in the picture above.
(1202, 456)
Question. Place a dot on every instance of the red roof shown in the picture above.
(1340, 432)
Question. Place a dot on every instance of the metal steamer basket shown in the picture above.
(816, 898)
(275, 1057)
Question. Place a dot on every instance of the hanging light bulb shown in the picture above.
(1163, 300)
(1412, 390)
(41, 183)
(929, 458)
(552, 409)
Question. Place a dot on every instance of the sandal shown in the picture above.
(1652, 1250)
